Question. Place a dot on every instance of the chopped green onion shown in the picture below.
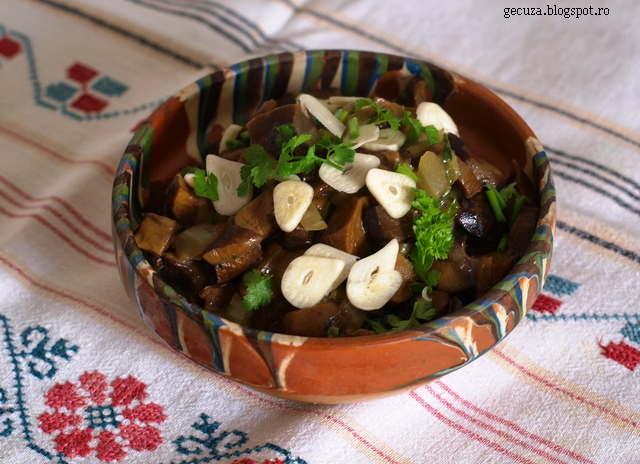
(244, 136)
(502, 246)
(446, 153)
(333, 332)
(499, 198)
(341, 114)
(492, 196)
(517, 207)
(236, 144)
(354, 128)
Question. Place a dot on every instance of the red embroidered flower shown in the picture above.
(108, 418)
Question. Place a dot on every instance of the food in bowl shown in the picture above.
(326, 215)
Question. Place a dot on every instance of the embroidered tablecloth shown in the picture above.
(83, 380)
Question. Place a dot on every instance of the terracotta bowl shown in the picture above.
(326, 370)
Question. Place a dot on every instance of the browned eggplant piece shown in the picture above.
(522, 230)
(487, 172)
(258, 216)
(468, 182)
(267, 106)
(270, 317)
(155, 233)
(239, 246)
(491, 269)
(316, 320)
(262, 128)
(217, 297)
(457, 271)
(187, 207)
(441, 302)
(476, 217)
(523, 183)
(382, 228)
(345, 230)
(228, 270)
(415, 92)
(194, 274)
(405, 268)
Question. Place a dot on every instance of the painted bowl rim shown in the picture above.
(434, 326)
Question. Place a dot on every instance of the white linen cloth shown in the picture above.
(562, 388)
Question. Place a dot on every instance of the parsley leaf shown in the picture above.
(205, 185)
(259, 167)
(284, 133)
(434, 235)
(403, 168)
(341, 151)
(258, 289)
(509, 191)
(416, 128)
(422, 311)
(382, 115)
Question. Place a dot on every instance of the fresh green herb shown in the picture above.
(236, 144)
(503, 242)
(353, 128)
(205, 185)
(447, 155)
(416, 128)
(517, 208)
(284, 133)
(333, 332)
(434, 235)
(422, 311)
(495, 202)
(245, 137)
(507, 192)
(260, 167)
(341, 114)
(403, 168)
(341, 151)
(258, 289)
(382, 115)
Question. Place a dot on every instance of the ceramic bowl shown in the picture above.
(325, 370)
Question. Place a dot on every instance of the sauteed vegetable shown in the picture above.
(340, 216)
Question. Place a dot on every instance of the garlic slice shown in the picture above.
(291, 199)
(353, 177)
(368, 133)
(392, 190)
(308, 279)
(228, 174)
(388, 140)
(373, 280)
(326, 251)
(429, 113)
(322, 114)
(190, 179)
(231, 133)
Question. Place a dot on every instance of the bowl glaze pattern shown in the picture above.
(331, 370)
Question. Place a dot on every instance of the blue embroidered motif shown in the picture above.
(214, 445)
(35, 340)
(110, 87)
(560, 286)
(632, 332)
(60, 92)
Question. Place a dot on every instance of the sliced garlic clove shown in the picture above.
(322, 114)
(291, 199)
(373, 280)
(368, 133)
(326, 251)
(392, 190)
(228, 174)
(231, 133)
(353, 177)
(429, 113)
(308, 279)
(190, 179)
(388, 140)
